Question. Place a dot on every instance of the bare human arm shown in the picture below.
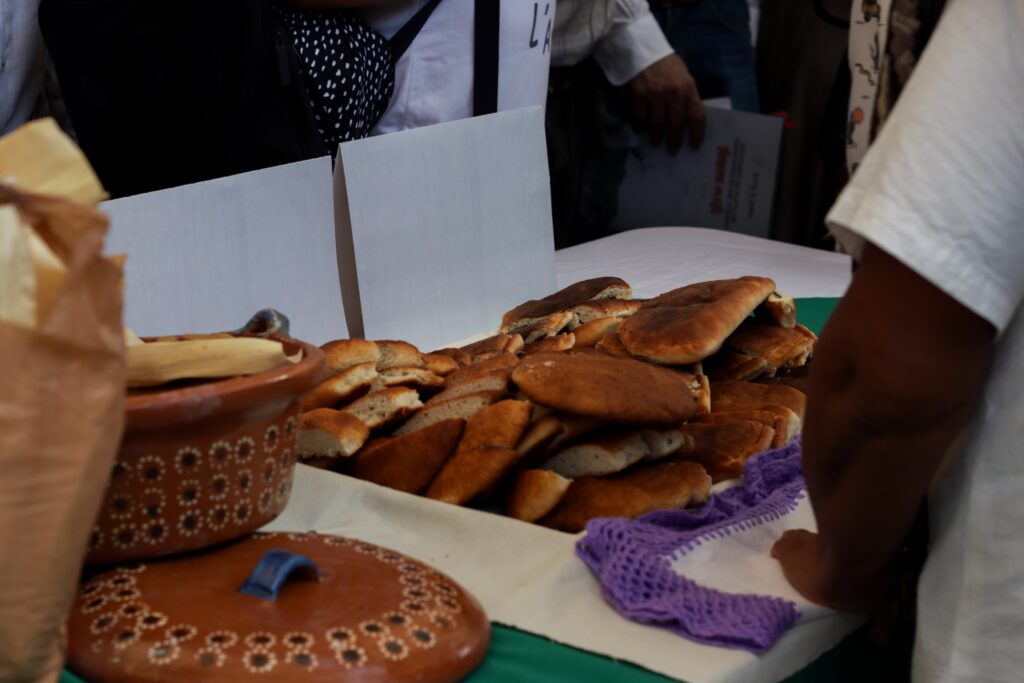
(897, 375)
(664, 103)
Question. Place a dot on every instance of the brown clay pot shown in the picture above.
(344, 611)
(203, 464)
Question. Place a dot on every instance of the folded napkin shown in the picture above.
(707, 574)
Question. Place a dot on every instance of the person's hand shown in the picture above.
(665, 103)
(797, 552)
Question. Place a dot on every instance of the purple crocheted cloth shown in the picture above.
(632, 559)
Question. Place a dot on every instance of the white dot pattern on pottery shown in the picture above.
(119, 620)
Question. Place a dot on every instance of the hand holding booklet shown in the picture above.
(728, 183)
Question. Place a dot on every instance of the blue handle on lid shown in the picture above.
(274, 568)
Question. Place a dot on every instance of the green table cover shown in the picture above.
(519, 657)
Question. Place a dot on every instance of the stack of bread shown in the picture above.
(586, 404)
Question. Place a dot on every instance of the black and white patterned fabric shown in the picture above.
(350, 75)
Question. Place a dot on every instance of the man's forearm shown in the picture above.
(896, 378)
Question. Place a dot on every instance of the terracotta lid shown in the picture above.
(363, 614)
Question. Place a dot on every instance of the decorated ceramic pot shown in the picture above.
(203, 464)
(299, 607)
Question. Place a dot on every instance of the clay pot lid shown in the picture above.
(364, 614)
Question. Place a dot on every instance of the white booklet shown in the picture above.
(728, 183)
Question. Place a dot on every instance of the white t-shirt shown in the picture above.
(434, 78)
(623, 36)
(942, 190)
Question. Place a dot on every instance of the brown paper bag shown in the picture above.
(61, 417)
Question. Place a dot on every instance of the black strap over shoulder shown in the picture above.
(401, 41)
(487, 30)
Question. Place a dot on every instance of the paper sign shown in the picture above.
(205, 257)
(442, 229)
(728, 183)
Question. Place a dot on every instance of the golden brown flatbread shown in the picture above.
(783, 420)
(603, 308)
(548, 326)
(777, 309)
(344, 387)
(611, 345)
(739, 439)
(507, 343)
(689, 324)
(486, 452)
(589, 334)
(458, 355)
(780, 347)
(607, 388)
(398, 354)
(326, 433)
(342, 354)
(643, 489)
(503, 362)
(559, 342)
(410, 462)
(535, 493)
(732, 395)
(440, 364)
(730, 364)
(564, 299)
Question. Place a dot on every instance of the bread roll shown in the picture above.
(497, 381)
(326, 433)
(344, 387)
(603, 308)
(689, 324)
(398, 354)
(783, 420)
(419, 378)
(724, 447)
(343, 354)
(458, 355)
(731, 364)
(548, 326)
(559, 342)
(502, 343)
(486, 452)
(780, 347)
(607, 388)
(385, 407)
(410, 462)
(463, 407)
(732, 395)
(662, 443)
(564, 299)
(502, 363)
(538, 436)
(778, 309)
(611, 345)
(598, 457)
(535, 493)
(663, 485)
(590, 333)
(440, 364)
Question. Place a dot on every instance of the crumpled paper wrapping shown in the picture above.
(62, 378)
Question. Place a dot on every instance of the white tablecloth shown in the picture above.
(654, 260)
(529, 577)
